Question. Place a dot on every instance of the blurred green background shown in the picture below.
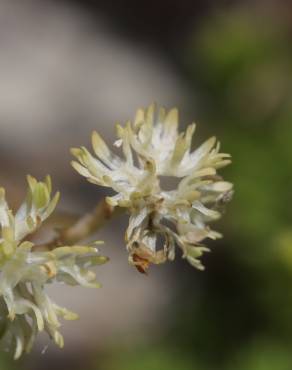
(234, 63)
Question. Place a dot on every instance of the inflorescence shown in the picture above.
(160, 220)
(152, 149)
(25, 307)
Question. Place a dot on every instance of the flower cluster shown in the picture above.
(160, 219)
(25, 307)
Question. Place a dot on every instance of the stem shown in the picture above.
(85, 226)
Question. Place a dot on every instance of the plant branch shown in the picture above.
(85, 226)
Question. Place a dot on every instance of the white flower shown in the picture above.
(152, 149)
(25, 308)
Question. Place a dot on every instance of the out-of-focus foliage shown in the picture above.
(237, 315)
(148, 358)
(7, 363)
(241, 67)
(262, 355)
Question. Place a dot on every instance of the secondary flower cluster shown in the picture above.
(160, 219)
(25, 307)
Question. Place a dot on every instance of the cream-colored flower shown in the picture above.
(25, 307)
(153, 149)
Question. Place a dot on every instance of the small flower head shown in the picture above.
(160, 219)
(25, 307)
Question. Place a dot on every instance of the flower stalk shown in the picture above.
(83, 227)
